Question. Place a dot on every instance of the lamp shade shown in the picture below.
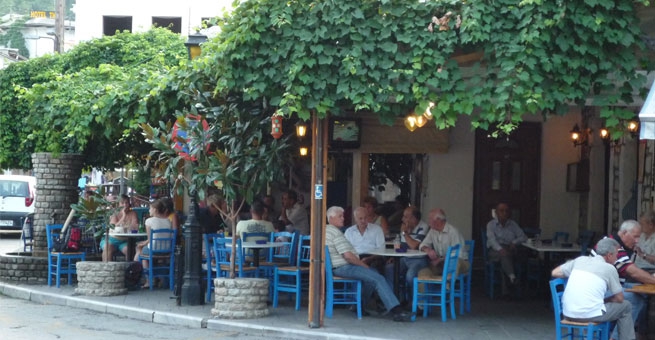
(410, 122)
(193, 44)
(276, 126)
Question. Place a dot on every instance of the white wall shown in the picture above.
(449, 182)
(89, 13)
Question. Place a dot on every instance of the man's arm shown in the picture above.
(639, 274)
(353, 259)
(618, 297)
(491, 237)
(558, 272)
(411, 242)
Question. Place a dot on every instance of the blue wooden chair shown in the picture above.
(438, 291)
(572, 329)
(161, 256)
(263, 255)
(340, 291)
(290, 278)
(463, 288)
(492, 272)
(222, 252)
(210, 270)
(60, 263)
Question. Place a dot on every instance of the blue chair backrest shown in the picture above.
(561, 236)
(450, 265)
(252, 237)
(222, 252)
(53, 232)
(485, 250)
(285, 252)
(556, 295)
(329, 278)
(304, 251)
(470, 246)
(162, 241)
(209, 241)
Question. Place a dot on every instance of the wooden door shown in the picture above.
(507, 169)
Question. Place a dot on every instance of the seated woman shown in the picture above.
(372, 216)
(124, 221)
(158, 220)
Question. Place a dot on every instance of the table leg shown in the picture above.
(396, 271)
(131, 245)
(255, 253)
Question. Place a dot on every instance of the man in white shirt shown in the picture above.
(293, 214)
(593, 292)
(366, 236)
(504, 237)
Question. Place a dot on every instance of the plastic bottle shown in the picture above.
(396, 242)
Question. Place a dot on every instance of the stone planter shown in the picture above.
(240, 298)
(101, 278)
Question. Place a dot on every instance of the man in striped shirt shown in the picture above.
(629, 273)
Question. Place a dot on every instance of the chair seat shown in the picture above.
(66, 253)
(245, 268)
(578, 323)
(292, 269)
(431, 278)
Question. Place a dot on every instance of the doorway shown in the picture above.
(507, 169)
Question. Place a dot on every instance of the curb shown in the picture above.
(168, 318)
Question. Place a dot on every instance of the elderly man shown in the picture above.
(346, 263)
(412, 232)
(293, 214)
(364, 236)
(627, 236)
(503, 239)
(441, 236)
(593, 291)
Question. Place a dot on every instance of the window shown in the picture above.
(174, 24)
(111, 24)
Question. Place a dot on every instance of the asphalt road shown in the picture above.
(24, 320)
(10, 243)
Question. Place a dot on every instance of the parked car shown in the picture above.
(17, 200)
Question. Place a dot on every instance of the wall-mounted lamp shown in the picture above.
(633, 128)
(303, 151)
(301, 129)
(579, 137)
(604, 134)
(410, 122)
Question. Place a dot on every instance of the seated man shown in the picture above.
(645, 248)
(412, 232)
(441, 236)
(366, 236)
(346, 263)
(504, 237)
(593, 292)
(255, 225)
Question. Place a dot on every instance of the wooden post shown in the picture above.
(59, 25)
(319, 181)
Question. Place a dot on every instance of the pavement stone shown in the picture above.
(529, 318)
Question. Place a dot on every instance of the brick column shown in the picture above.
(240, 298)
(56, 190)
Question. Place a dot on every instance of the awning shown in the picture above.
(647, 116)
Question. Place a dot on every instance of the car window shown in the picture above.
(14, 188)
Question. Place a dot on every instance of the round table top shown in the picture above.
(130, 234)
(393, 253)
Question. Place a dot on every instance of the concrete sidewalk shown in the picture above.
(525, 319)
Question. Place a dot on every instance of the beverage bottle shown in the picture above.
(396, 242)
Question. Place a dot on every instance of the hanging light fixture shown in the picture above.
(633, 127)
(604, 134)
(301, 129)
(410, 122)
(304, 151)
(276, 126)
(578, 136)
(428, 111)
(421, 121)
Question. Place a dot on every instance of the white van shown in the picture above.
(17, 196)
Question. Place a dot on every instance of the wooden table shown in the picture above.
(648, 289)
(396, 261)
(131, 242)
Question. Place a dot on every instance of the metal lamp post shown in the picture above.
(191, 292)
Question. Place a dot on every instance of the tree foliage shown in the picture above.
(13, 38)
(391, 57)
(91, 99)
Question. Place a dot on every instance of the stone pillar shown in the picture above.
(56, 190)
(101, 278)
(240, 298)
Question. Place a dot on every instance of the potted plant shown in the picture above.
(93, 211)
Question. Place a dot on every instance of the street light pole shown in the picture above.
(191, 292)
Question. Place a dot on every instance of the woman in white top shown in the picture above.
(158, 220)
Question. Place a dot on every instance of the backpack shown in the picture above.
(69, 240)
(74, 241)
(133, 275)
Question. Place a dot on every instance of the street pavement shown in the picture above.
(529, 318)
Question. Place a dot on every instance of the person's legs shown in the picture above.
(372, 281)
(621, 312)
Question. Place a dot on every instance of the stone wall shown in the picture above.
(242, 298)
(56, 190)
(101, 278)
(23, 269)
